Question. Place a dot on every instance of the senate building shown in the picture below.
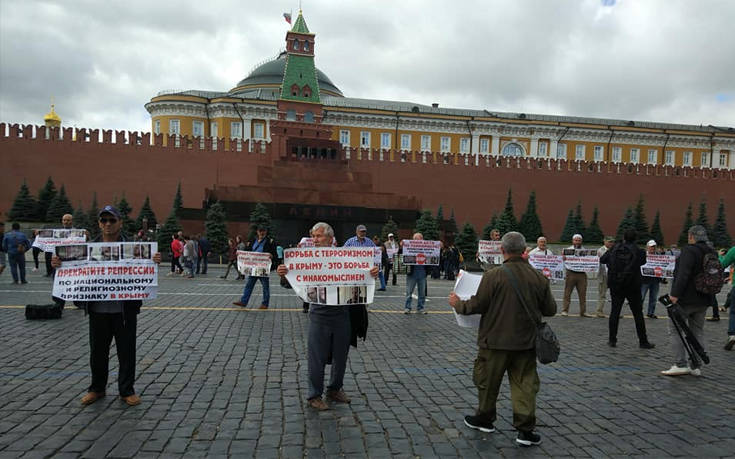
(287, 136)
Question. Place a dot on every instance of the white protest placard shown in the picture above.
(661, 266)
(421, 252)
(255, 264)
(489, 252)
(378, 257)
(551, 266)
(391, 252)
(306, 242)
(106, 271)
(329, 275)
(581, 260)
(48, 239)
(466, 286)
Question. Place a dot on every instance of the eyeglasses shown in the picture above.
(108, 220)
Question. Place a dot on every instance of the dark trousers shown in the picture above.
(176, 264)
(49, 269)
(203, 263)
(329, 337)
(631, 293)
(17, 263)
(387, 268)
(490, 367)
(36, 252)
(56, 299)
(102, 328)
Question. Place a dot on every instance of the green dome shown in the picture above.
(271, 73)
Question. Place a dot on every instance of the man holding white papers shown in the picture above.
(260, 244)
(506, 338)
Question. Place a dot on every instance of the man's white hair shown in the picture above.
(327, 229)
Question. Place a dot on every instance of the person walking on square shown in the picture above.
(203, 261)
(177, 249)
(108, 320)
(506, 338)
(15, 244)
(650, 285)
(624, 261)
(391, 248)
(727, 259)
(575, 280)
(602, 276)
(231, 257)
(328, 337)
(263, 244)
(416, 278)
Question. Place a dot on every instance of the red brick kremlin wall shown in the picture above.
(112, 163)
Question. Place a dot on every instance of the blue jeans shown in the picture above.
(652, 290)
(250, 284)
(382, 280)
(17, 263)
(730, 299)
(411, 283)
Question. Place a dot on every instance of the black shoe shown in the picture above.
(646, 345)
(475, 422)
(528, 438)
(713, 319)
(652, 316)
(612, 343)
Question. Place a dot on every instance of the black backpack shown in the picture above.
(622, 265)
(712, 277)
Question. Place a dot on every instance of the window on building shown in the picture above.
(258, 130)
(296, 44)
(445, 144)
(579, 153)
(686, 159)
(174, 127)
(157, 128)
(617, 154)
(405, 141)
(599, 152)
(197, 128)
(652, 156)
(306, 46)
(425, 143)
(704, 161)
(291, 115)
(512, 149)
(561, 151)
(306, 91)
(344, 137)
(723, 160)
(669, 158)
(464, 145)
(635, 155)
(308, 117)
(385, 140)
(543, 149)
(484, 145)
(236, 130)
(213, 129)
(365, 139)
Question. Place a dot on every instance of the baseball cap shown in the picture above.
(109, 210)
(360, 228)
(390, 234)
(651, 243)
(576, 235)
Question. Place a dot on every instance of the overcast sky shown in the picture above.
(101, 61)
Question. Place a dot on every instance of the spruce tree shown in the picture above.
(45, 196)
(451, 226)
(570, 227)
(656, 233)
(24, 206)
(59, 207)
(178, 201)
(594, 232)
(688, 223)
(146, 212)
(507, 221)
(639, 222)
(579, 220)
(427, 226)
(259, 216)
(440, 214)
(128, 227)
(702, 218)
(493, 224)
(170, 227)
(80, 217)
(92, 217)
(720, 236)
(390, 227)
(466, 242)
(530, 224)
(625, 224)
(216, 228)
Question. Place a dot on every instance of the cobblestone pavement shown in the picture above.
(217, 380)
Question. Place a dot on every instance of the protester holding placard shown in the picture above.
(263, 245)
(650, 283)
(330, 326)
(111, 319)
(391, 249)
(381, 259)
(575, 280)
(602, 277)
(417, 254)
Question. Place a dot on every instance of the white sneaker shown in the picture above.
(34, 269)
(564, 313)
(676, 371)
(695, 372)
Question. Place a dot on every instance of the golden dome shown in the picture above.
(52, 116)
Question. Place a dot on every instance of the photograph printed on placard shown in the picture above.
(311, 295)
(62, 234)
(72, 252)
(322, 295)
(45, 233)
(260, 272)
(352, 294)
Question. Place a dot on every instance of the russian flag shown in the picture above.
(287, 17)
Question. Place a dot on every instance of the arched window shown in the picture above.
(306, 91)
(296, 44)
(291, 115)
(308, 117)
(295, 90)
(512, 149)
(306, 46)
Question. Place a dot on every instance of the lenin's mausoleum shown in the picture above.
(286, 136)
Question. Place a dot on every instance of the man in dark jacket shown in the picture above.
(108, 319)
(264, 244)
(506, 338)
(204, 248)
(693, 304)
(624, 263)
